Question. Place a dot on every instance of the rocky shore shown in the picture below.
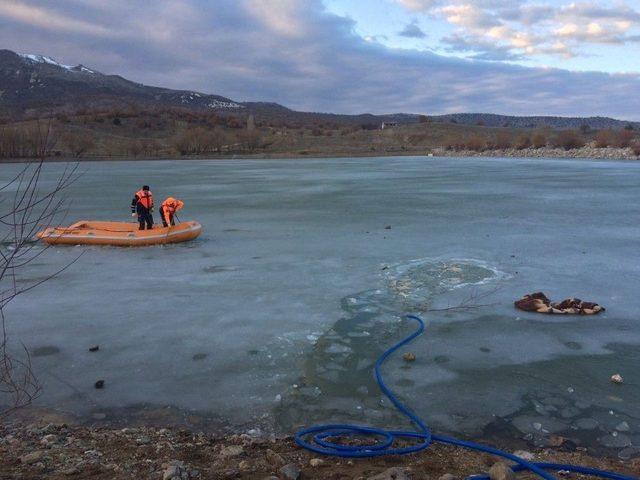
(61, 451)
(546, 152)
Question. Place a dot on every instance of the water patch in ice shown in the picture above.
(421, 279)
(337, 348)
(218, 269)
(342, 357)
(45, 351)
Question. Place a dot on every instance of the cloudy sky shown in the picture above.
(537, 57)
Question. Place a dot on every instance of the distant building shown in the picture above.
(388, 125)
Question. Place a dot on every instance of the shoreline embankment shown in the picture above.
(587, 152)
(57, 451)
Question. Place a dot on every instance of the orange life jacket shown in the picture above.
(145, 198)
(169, 207)
(172, 205)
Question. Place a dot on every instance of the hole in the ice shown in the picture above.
(45, 351)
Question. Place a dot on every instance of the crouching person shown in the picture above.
(168, 210)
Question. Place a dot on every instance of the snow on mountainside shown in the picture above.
(190, 97)
(42, 59)
(30, 80)
(50, 61)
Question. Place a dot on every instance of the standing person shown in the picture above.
(168, 209)
(142, 206)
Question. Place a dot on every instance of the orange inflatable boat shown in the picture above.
(120, 234)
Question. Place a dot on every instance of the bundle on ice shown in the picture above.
(538, 302)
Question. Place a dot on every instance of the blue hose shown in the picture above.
(319, 438)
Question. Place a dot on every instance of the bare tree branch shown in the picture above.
(29, 209)
(472, 302)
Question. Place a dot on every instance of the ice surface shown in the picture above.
(295, 280)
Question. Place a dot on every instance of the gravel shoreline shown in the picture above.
(610, 153)
(61, 451)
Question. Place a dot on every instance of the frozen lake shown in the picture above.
(273, 318)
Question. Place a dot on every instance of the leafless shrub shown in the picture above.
(417, 139)
(476, 143)
(33, 140)
(635, 148)
(539, 140)
(199, 140)
(135, 148)
(234, 122)
(522, 141)
(453, 143)
(568, 139)
(502, 141)
(22, 214)
(605, 138)
(624, 138)
(78, 143)
(149, 146)
(250, 139)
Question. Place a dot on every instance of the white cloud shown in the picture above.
(47, 19)
(526, 28)
(315, 63)
(418, 5)
(281, 16)
(468, 16)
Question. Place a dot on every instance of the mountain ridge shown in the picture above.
(32, 83)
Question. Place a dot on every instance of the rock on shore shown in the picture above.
(584, 152)
(59, 451)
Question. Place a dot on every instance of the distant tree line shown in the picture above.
(35, 140)
(164, 132)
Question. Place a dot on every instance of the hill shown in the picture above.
(492, 120)
(37, 82)
(31, 84)
(88, 114)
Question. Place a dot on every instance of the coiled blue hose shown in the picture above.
(319, 438)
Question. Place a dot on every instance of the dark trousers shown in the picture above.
(164, 222)
(144, 217)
